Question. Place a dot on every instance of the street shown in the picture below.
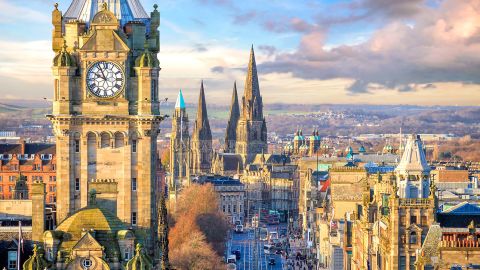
(245, 242)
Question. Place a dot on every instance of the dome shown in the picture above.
(147, 59)
(140, 261)
(93, 219)
(64, 58)
(37, 260)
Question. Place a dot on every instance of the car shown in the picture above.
(237, 254)
(271, 261)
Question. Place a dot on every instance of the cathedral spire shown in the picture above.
(231, 132)
(180, 104)
(252, 101)
(202, 126)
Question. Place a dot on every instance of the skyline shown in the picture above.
(366, 52)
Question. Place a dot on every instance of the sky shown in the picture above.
(417, 52)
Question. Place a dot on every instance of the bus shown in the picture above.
(268, 249)
(272, 236)
(232, 259)
(263, 234)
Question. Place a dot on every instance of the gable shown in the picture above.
(105, 40)
(87, 242)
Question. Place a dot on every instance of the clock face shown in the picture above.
(105, 79)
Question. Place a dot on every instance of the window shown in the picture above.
(77, 146)
(412, 262)
(234, 208)
(413, 219)
(127, 254)
(10, 188)
(229, 210)
(1, 188)
(223, 207)
(423, 220)
(403, 263)
(134, 218)
(86, 263)
(12, 260)
(77, 184)
(134, 146)
(1, 178)
(134, 184)
(413, 238)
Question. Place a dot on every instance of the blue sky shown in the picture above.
(330, 51)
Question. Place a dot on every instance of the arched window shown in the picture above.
(104, 140)
(119, 140)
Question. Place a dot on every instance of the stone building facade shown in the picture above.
(105, 107)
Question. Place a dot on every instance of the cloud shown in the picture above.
(244, 18)
(217, 69)
(267, 49)
(440, 45)
(10, 13)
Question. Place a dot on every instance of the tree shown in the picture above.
(198, 238)
(166, 159)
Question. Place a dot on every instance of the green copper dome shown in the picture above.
(37, 261)
(140, 261)
(64, 58)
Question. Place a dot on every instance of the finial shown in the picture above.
(92, 194)
(138, 248)
(64, 45)
(105, 7)
(35, 249)
(56, 6)
(155, 6)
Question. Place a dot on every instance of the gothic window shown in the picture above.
(12, 260)
(134, 184)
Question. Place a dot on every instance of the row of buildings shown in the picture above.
(389, 216)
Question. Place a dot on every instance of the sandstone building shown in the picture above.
(105, 118)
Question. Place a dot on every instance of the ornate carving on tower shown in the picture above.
(105, 107)
(201, 138)
(251, 127)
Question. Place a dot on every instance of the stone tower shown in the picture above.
(413, 171)
(251, 127)
(179, 146)
(201, 138)
(105, 106)
(231, 132)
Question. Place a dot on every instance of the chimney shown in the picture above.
(22, 145)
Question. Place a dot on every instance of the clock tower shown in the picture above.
(105, 108)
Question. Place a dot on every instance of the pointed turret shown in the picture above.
(231, 132)
(413, 171)
(201, 138)
(180, 104)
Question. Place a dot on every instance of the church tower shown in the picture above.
(251, 127)
(201, 138)
(231, 132)
(179, 146)
(105, 106)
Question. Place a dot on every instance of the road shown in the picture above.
(245, 242)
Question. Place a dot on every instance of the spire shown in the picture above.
(231, 132)
(202, 126)
(180, 104)
(413, 158)
(254, 110)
